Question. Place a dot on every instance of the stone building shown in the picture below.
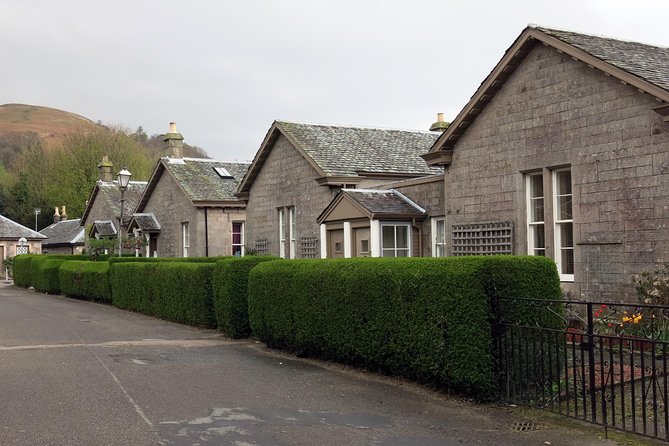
(300, 168)
(103, 208)
(64, 236)
(16, 239)
(189, 207)
(563, 151)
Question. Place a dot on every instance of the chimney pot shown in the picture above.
(441, 125)
(173, 127)
(56, 216)
(63, 215)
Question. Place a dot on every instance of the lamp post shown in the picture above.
(123, 178)
(37, 212)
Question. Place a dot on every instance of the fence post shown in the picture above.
(591, 362)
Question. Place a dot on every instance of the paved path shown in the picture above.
(79, 373)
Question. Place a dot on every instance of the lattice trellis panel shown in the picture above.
(483, 238)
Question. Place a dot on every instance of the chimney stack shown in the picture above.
(441, 125)
(174, 144)
(105, 167)
(63, 214)
(56, 216)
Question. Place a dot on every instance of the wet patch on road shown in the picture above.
(242, 426)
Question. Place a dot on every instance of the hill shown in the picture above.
(49, 124)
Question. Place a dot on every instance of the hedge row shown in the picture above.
(44, 274)
(132, 259)
(179, 292)
(231, 279)
(425, 319)
(85, 280)
(21, 270)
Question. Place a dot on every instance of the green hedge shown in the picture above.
(426, 319)
(44, 273)
(179, 292)
(21, 270)
(165, 259)
(230, 285)
(85, 280)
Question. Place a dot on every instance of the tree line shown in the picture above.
(32, 176)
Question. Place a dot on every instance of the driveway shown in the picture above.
(79, 373)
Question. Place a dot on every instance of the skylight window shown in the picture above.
(222, 172)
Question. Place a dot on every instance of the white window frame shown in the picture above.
(532, 249)
(185, 238)
(395, 249)
(558, 224)
(438, 237)
(292, 230)
(241, 238)
(282, 233)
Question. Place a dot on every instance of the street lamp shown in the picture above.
(123, 178)
(37, 212)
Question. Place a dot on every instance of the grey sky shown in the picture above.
(224, 70)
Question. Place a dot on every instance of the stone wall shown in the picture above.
(286, 179)
(554, 112)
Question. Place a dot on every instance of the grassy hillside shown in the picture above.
(51, 125)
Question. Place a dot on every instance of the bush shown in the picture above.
(44, 273)
(230, 285)
(85, 280)
(22, 270)
(422, 318)
(132, 259)
(179, 292)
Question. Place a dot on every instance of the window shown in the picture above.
(395, 240)
(282, 234)
(292, 232)
(536, 237)
(22, 249)
(438, 237)
(564, 224)
(238, 239)
(364, 248)
(222, 172)
(559, 219)
(185, 238)
(338, 247)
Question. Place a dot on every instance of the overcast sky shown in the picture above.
(224, 70)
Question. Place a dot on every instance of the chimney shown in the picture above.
(105, 167)
(63, 215)
(441, 125)
(56, 216)
(174, 142)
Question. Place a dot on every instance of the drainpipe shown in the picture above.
(206, 234)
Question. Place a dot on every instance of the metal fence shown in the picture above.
(601, 362)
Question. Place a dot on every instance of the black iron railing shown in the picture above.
(602, 362)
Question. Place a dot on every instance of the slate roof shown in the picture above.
(104, 228)
(201, 182)
(345, 151)
(648, 62)
(643, 66)
(109, 192)
(379, 202)
(145, 222)
(68, 232)
(10, 230)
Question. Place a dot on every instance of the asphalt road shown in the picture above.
(79, 373)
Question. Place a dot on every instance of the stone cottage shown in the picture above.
(16, 239)
(189, 207)
(563, 151)
(64, 236)
(103, 208)
(300, 168)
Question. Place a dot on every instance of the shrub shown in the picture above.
(230, 285)
(44, 273)
(22, 270)
(85, 280)
(132, 259)
(179, 292)
(426, 319)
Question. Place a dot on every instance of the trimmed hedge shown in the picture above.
(179, 292)
(85, 280)
(44, 273)
(230, 285)
(165, 259)
(21, 269)
(423, 318)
